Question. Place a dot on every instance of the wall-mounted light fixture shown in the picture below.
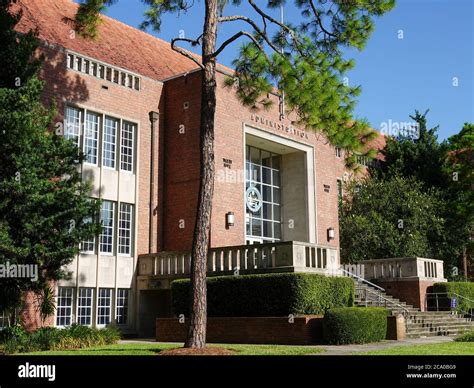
(331, 234)
(229, 219)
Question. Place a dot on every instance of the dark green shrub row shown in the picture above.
(355, 325)
(465, 289)
(466, 337)
(268, 295)
(17, 340)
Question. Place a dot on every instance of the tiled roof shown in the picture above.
(117, 43)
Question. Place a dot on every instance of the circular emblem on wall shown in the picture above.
(253, 199)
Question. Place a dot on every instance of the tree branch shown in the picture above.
(257, 29)
(184, 52)
(235, 37)
(318, 18)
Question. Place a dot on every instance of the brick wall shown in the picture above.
(181, 153)
(248, 330)
(65, 86)
(410, 291)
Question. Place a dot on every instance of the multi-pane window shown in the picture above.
(122, 306)
(104, 306)
(106, 239)
(263, 218)
(125, 229)
(64, 306)
(84, 306)
(73, 124)
(338, 152)
(91, 135)
(88, 245)
(86, 128)
(109, 139)
(126, 149)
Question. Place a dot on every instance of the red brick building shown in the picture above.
(133, 104)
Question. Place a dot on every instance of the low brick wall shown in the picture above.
(302, 330)
(411, 291)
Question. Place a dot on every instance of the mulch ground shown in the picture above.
(214, 351)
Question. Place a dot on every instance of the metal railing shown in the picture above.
(379, 298)
(360, 279)
(383, 301)
(442, 301)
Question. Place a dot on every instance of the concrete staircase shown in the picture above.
(418, 323)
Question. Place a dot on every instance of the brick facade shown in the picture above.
(304, 330)
(171, 87)
(411, 291)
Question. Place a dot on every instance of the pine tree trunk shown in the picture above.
(197, 328)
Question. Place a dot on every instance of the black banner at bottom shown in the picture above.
(118, 371)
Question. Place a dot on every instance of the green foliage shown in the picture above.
(418, 156)
(465, 289)
(16, 340)
(268, 294)
(446, 167)
(16, 61)
(355, 325)
(466, 337)
(459, 167)
(44, 204)
(391, 218)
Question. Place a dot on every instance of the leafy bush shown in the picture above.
(268, 295)
(51, 338)
(465, 289)
(355, 325)
(16, 331)
(466, 337)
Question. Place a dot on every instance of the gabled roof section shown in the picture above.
(117, 43)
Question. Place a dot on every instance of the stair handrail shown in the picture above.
(362, 280)
(406, 311)
(470, 313)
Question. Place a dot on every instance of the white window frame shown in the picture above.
(64, 308)
(94, 138)
(122, 305)
(125, 232)
(130, 154)
(101, 298)
(75, 133)
(106, 142)
(111, 228)
(89, 296)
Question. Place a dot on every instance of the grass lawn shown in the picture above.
(442, 349)
(140, 349)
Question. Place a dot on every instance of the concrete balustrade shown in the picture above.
(403, 267)
(289, 256)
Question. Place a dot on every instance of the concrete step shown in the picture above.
(438, 324)
(437, 320)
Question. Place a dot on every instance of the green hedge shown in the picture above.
(16, 340)
(465, 289)
(268, 295)
(466, 337)
(355, 325)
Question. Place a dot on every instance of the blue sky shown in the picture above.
(397, 75)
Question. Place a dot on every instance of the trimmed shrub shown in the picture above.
(267, 295)
(52, 338)
(465, 289)
(355, 325)
(466, 337)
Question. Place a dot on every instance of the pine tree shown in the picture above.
(45, 211)
(305, 61)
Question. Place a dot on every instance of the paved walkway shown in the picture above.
(339, 350)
